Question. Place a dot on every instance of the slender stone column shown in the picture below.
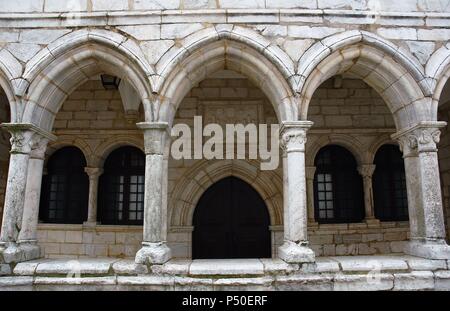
(154, 248)
(23, 137)
(426, 217)
(94, 174)
(310, 171)
(28, 234)
(366, 171)
(295, 248)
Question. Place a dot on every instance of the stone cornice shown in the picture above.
(266, 16)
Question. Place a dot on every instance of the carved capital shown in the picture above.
(423, 137)
(93, 172)
(293, 135)
(26, 137)
(39, 146)
(156, 135)
(366, 170)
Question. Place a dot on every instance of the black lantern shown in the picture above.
(110, 82)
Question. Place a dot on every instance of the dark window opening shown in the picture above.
(65, 188)
(338, 190)
(121, 188)
(389, 185)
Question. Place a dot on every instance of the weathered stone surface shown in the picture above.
(366, 263)
(226, 267)
(129, 267)
(369, 282)
(416, 280)
(442, 280)
(74, 267)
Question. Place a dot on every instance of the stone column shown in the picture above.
(295, 247)
(366, 171)
(23, 137)
(94, 174)
(27, 239)
(426, 218)
(154, 247)
(310, 172)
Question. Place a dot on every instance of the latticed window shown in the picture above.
(389, 185)
(121, 188)
(65, 188)
(338, 190)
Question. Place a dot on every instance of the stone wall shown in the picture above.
(344, 110)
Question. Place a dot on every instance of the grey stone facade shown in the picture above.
(359, 74)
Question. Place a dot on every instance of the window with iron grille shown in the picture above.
(338, 190)
(121, 188)
(65, 188)
(389, 185)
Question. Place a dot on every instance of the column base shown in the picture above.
(153, 253)
(372, 222)
(428, 249)
(24, 251)
(292, 252)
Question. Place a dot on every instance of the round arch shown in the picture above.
(195, 66)
(57, 71)
(395, 76)
(67, 142)
(186, 193)
(350, 143)
(438, 69)
(104, 149)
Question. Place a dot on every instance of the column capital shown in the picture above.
(93, 172)
(155, 136)
(422, 137)
(293, 135)
(27, 136)
(366, 170)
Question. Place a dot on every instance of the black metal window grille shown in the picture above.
(389, 185)
(338, 190)
(121, 194)
(65, 188)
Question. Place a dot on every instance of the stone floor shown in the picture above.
(388, 272)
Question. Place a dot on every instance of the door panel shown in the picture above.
(231, 221)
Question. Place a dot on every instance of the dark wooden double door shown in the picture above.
(231, 221)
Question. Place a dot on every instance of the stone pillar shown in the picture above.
(310, 172)
(426, 218)
(94, 174)
(154, 247)
(23, 138)
(366, 171)
(27, 239)
(295, 247)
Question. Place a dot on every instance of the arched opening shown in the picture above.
(121, 188)
(337, 187)
(4, 148)
(444, 151)
(231, 221)
(389, 185)
(65, 188)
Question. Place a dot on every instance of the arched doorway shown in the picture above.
(231, 221)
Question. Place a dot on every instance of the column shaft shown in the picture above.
(295, 247)
(94, 174)
(424, 191)
(155, 249)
